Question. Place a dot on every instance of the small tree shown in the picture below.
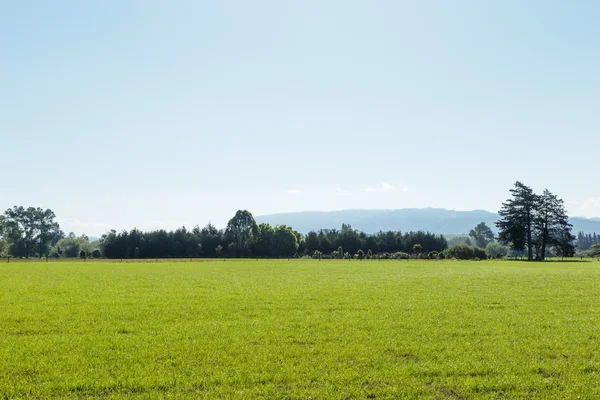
(347, 256)
(417, 249)
(219, 251)
(340, 253)
(96, 254)
(360, 254)
(369, 254)
(82, 255)
(136, 253)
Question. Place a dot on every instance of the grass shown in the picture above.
(300, 329)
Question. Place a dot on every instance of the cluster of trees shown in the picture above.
(327, 241)
(244, 238)
(236, 241)
(28, 232)
(585, 242)
(536, 223)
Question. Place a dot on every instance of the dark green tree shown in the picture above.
(285, 242)
(29, 231)
(517, 219)
(552, 227)
(242, 231)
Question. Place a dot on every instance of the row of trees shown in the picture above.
(244, 238)
(585, 242)
(329, 240)
(536, 223)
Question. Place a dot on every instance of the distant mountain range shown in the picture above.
(435, 220)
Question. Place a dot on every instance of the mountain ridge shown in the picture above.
(435, 220)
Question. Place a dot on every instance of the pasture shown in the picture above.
(300, 329)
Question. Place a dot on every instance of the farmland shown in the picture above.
(300, 329)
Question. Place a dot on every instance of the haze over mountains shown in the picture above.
(435, 220)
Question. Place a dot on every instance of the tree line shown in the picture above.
(532, 224)
(244, 238)
(587, 241)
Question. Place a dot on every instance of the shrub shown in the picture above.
(96, 254)
(400, 256)
(360, 254)
(479, 253)
(459, 252)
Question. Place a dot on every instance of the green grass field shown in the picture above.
(300, 329)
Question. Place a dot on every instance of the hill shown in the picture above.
(435, 220)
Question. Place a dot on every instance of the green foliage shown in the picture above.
(482, 234)
(536, 223)
(347, 256)
(496, 250)
(369, 254)
(417, 248)
(594, 251)
(400, 255)
(242, 231)
(285, 242)
(28, 231)
(360, 254)
(464, 252)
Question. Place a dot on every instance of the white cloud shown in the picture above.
(294, 192)
(384, 187)
(590, 207)
(342, 192)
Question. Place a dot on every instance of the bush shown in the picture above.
(464, 252)
(400, 256)
(317, 255)
(495, 250)
(360, 254)
(433, 255)
(96, 254)
(459, 252)
(479, 253)
(347, 256)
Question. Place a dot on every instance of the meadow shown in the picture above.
(300, 329)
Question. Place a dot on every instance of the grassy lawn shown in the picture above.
(300, 329)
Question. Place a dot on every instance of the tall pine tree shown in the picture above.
(552, 227)
(517, 219)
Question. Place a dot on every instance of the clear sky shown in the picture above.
(153, 114)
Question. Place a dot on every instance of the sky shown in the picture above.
(156, 114)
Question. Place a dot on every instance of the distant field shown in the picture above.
(300, 329)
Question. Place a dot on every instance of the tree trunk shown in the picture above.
(529, 244)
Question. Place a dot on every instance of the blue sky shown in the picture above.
(156, 114)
